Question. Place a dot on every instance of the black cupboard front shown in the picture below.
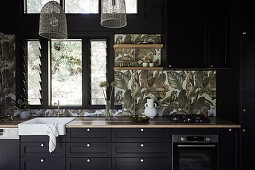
(117, 149)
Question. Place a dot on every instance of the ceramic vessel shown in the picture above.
(24, 114)
(150, 108)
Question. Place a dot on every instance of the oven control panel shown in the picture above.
(195, 138)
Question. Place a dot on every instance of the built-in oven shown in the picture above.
(194, 152)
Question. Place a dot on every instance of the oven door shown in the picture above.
(198, 156)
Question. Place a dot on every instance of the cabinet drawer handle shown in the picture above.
(244, 110)
(88, 160)
(230, 130)
(141, 130)
(88, 130)
(141, 160)
(211, 65)
(170, 65)
(42, 145)
(88, 145)
(42, 160)
(142, 145)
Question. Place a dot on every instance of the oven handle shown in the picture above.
(196, 146)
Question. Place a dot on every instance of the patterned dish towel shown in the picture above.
(52, 132)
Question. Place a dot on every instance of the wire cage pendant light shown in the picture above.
(113, 13)
(53, 21)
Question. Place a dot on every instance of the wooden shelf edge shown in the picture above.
(138, 68)
(133, 46)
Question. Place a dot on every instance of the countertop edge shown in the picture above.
(153, 126)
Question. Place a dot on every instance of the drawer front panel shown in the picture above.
(42, 163)
(88, 163)
(141, 150)
(88, 135)
(41, 150)
(140, 135)
(88, 150)
(40, 138)
(141, 164)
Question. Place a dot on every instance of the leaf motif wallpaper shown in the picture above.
(182, 91)
(7, 74)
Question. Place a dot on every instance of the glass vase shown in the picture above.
(107, 110)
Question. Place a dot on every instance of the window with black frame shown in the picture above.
(75, 68)
(76, 6)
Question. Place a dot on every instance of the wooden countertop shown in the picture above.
(124, 122)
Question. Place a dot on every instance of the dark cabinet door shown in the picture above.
(248, 133)
(218, 29)
(247, 147)
(88, 163)
(228, 149)
(9, 154)
(187, 33)
(42, 163)
(141, 163)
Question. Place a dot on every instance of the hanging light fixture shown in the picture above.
(53, 21)
(113, 13)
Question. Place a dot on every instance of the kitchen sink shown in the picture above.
(38, 126)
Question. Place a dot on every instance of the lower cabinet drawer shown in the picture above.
(88, 163)
(99, 135)
(149, 135)
(40, 138)
(88, 150)
(141, 164)
(42, 163)
(41, 150)
(141, 150)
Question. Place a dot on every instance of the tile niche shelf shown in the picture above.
(134, 46)
(138, 68)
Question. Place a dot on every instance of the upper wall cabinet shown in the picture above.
(197, 34)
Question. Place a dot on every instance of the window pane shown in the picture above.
(81, 6)
(66, 70)
(35, 6)
(98, 71)
(131, 6)
(34, 71)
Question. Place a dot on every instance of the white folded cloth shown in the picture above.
(52, 132)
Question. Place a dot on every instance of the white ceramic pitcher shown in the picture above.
(150, 108)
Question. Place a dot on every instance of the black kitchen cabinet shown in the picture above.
(248, 86)
(88, 163)
(88, 149)
(42, 163)
(228, 149)
(141, 150)
(186, 33)
(141, 163)
(140, 135)
(248, 133)
(9, 154)
(88, 135)
(197, 34)
(34, 153)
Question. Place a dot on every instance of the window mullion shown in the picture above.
(44, 74)
(86, 73)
